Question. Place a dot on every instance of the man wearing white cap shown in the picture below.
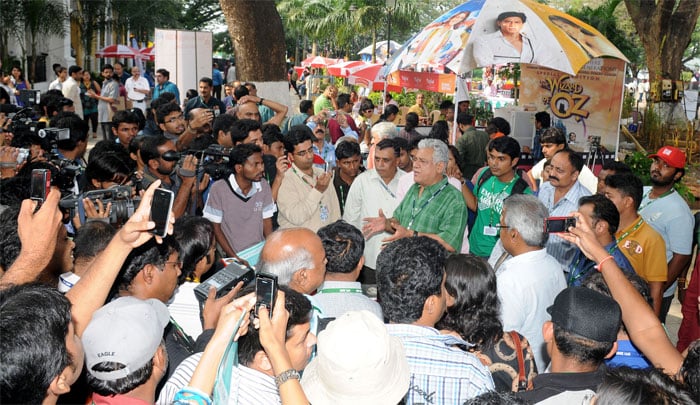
(124, 356)
(668, 213)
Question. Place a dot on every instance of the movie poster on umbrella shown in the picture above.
(585, 106)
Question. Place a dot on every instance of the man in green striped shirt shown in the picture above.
(431, 206)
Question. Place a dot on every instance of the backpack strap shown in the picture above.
(522, 380)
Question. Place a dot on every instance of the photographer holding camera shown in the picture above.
(161, 158)
(72, 150)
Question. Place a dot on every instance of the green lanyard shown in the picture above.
(493, 186)
(584, 271)
(626, 234)
(655, 199)
(340, 290)
(302, 177)
(415, 213)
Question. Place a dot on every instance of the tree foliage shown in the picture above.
(665, 28)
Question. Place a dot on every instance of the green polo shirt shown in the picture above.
(440, 210)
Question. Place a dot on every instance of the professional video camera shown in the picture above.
(215, 162)
(22, 122)
(123, 205)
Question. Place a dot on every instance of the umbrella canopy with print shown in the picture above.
(117, 51)
(471, 36)
(318, 62)
(342, 69)
(148, 53)
(371, 76)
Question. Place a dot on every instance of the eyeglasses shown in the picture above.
(177, 264)
(369, 110)
(499, 226)
(303, 153)
(175, 119)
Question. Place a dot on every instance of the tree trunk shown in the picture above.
(664, 28)
(258, 39)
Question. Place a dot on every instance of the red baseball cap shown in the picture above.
(673, 156)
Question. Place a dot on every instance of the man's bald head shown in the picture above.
(248, 110)
(198, 112)
(296, 256)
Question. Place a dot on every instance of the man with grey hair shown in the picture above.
(528, 278)
(430, 208)
(297, 257)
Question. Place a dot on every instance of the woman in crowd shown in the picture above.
(473, 312)
(440, 130)
(19, 83)
(408, 132)
(89, 103)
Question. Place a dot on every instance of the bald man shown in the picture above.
(199, 124)
(296, 256)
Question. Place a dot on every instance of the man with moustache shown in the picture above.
(668, 213)
(137, 89)
(372, 191)
(429, 208)
(241, 206)
(561, 195)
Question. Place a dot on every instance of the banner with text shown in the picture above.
(585, 106)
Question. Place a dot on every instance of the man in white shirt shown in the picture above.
(62, 75)
(372, 191)
(528, 279)
(71, 88)
(137, 89)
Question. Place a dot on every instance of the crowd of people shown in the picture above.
(411, 270)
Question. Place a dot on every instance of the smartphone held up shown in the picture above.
(161, 210)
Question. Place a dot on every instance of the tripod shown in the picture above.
(594, 153)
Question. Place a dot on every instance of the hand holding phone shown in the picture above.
(265, 291)
(161, 211)
(41, 185)
(559, 224)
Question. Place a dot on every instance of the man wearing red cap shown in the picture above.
(668, 213)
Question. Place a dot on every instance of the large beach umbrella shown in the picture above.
(342, 69)
(318, 62)
(371, 76)
(117, 51)
(148, 53)
(470, 36)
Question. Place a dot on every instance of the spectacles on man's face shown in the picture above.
(175, 119)
(303, 153)
(178, 264)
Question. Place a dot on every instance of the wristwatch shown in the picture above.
(261, 101)
(285, 376)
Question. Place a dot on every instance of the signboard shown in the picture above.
(437, 82)
(585, 106)
(187, 55)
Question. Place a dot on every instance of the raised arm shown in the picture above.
(90, 293)
(642, 324)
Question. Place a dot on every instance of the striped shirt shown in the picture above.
(440, 210)
(562, 250)
(248, 387)
(440, 372)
